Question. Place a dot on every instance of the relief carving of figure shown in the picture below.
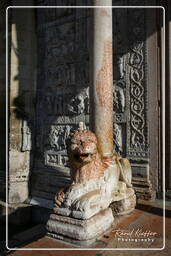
(58, 137)
(66, 134)
(80, 104)
(26, 137)
(77, 104)
(120, 63)
(86, 101)
(53, 138)
(119, 99)
(96, 181)
(118, 138)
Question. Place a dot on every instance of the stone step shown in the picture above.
(18, 213)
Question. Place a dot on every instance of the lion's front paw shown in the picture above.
(59, 198)
(79, 205)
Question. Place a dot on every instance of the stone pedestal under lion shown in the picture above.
(81, 211)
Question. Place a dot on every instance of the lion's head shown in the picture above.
(82, 147)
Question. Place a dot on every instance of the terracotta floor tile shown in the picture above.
(147, 220)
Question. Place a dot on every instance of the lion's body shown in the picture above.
(90, 172)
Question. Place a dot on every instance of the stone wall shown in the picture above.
(22, 69)
(63, 93)
(2, 99)
(61, 99)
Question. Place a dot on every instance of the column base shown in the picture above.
(144, 189)
(71, 241)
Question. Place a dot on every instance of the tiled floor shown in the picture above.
(147, 217)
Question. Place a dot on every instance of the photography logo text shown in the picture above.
(135, 235)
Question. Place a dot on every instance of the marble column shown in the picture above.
(101, 91)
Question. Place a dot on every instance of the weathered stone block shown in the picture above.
(18, 192)
(124, 206)
(81, 229)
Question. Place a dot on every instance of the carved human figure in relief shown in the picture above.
(118, 137)
(96, 181)
(120, 67)
(26, 132)
(120, 99)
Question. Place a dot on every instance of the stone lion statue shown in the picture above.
(96, 182)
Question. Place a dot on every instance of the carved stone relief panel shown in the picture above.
(60, 40)
(55, 145)
(63, 82)
(59, 113)
(57, 136)
(63, 85)
(56, 159)
(130, 83)
(64, 103)
(138, 145)
(47, 15)
(120, 84)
